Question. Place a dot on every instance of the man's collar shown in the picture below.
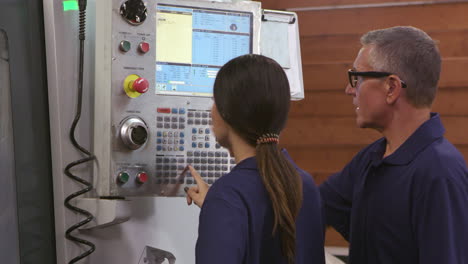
(427, 133)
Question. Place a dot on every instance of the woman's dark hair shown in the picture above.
(252, 95)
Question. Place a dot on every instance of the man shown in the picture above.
(404, 198)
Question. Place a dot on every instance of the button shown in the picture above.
(189, 153)
(158, 160)
(196, 153)
(167, 125)
(159, 148)
(164, 134)
(218, 146)
(159, 118)
(194, 130)
(181, 148)
(197, 122)
(174, 118)
(181, 126)
(159, 141)
(123, 177)
(167, 119)
(125, 45)
(196, 160)
(200, 145)
(197, 114)
(190, 114)
(207, 138)
(170, 134)
(207, 145)
(210, 154)
(207, 131)
(194, 138)
(140, 85)
(182, 134)
(142, 177)
(224, 154)
(204, 154)
(181, 141)
(143, 47)
(181, 110)
(204, 115)
(194, 145)
(174, 126)
(181, 119)
(176, 148)
(200, 131)
(163, 110)
(175, 110)
(204, 122)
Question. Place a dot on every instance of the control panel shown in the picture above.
(156, 62)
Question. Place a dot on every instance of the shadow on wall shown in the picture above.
(156, 256)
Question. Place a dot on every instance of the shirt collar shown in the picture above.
(427, 133)
(251, 163)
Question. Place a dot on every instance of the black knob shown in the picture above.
(134, 11)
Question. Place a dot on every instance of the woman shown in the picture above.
(266, 210)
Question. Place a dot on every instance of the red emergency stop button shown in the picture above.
(143, 47)
(140, 85)
(142, 177)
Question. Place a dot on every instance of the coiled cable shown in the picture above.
(89, 156)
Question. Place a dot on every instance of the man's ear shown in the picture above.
(394, 89)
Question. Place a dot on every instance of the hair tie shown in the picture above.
(268, 138)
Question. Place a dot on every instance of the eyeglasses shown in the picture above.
(352, 76)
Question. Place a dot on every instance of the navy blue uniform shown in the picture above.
(236, 222)
(410, 207)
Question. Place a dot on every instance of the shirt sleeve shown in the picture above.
(337, 196)
(440, 218)
(222, 233)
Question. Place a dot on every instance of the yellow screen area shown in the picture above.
(174, 38)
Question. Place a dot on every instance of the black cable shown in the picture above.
(90, 157)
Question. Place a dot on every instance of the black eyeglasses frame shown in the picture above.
(372, 74)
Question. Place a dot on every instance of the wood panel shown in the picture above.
(343, 47)
(343, 131)
(448, 102)
(282, 4)
(357, 21)
(333, 76)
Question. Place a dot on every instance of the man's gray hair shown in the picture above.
(410, 54)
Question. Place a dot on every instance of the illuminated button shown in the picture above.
(142, 177)
(163, 110)
(140, 85)
(143, 47)
(125, 45)
(123, 177)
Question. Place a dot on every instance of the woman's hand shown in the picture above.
(197, 193)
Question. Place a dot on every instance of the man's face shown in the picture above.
(369, 94)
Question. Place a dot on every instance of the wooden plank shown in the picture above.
(449, 102)
(329, 48)
(321, 161)
(320, 131)
(333, 76)
(358, 21)
(283, 4)
(334, 239)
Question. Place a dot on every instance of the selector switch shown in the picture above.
(134, 11)
(134, 132)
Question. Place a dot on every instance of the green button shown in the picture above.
(125, 45)
(123, 177)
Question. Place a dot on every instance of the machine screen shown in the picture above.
(192, 44)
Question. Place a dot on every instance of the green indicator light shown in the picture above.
(123, 177)
(70, 5)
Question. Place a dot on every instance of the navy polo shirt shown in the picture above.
(410, 207)
(236, 222)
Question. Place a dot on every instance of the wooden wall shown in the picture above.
(321, 134)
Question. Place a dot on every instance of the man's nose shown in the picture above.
(350, 90)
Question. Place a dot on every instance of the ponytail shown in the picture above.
(284, 187)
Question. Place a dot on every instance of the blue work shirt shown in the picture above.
(410, 207)
(236, 221)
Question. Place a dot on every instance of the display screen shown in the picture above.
(192, 44)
